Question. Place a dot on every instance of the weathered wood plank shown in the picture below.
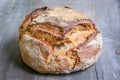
(106, 15)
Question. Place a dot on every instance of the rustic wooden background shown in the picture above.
(106, 15)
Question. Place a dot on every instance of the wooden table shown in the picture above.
(106, 15)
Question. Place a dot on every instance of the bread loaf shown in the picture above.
(59, 40)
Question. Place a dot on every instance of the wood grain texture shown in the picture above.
(106, 15)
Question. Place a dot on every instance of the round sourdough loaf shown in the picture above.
(59, 40)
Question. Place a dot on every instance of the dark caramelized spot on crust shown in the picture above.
(67, 7)
(36, 12)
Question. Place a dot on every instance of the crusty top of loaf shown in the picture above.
(58, 26)
(61, 17)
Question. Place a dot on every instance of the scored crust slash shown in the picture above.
(59, 40)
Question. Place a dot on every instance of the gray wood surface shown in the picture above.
(106, 15)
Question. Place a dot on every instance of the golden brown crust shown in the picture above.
(58, 40)
(55, 30)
